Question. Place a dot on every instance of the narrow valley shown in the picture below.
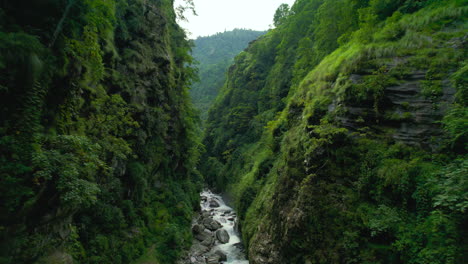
(233, 132)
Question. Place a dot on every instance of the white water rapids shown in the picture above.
(227, 217)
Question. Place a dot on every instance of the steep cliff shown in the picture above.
(342, 134)
(98, 145)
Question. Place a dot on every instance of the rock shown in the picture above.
(211, 224)
(212, 259)
(214, 203)
(204, 198)
(221, 254)
(223, 236)
(208, 241)
(231, 218)
(198, 249)
(205, 214)
(227, 211)
(203, 235)
(239, 246)
(197, 229)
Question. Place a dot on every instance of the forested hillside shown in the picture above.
(97, 140)
(342, 134)
(215, 54)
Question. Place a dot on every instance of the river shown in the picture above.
(233, 249)
(216, 239)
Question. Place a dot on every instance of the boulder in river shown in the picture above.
(212, 259)
(223, 236)
(221, 254)
(205, 214)
(197, 260)
(240, 246)
(197, 229)
(214, 203)
(198, 249)
(203, 235)
(211, 224)
(208, 241)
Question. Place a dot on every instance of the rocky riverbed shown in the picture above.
(216, 239)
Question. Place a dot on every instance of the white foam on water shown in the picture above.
(233, 253)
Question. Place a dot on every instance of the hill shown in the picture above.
(215, 54)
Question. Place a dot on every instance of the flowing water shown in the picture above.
(228, 219)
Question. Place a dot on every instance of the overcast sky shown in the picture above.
(220, 15)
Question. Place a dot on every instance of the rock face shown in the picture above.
(410, 114)
(223, 236)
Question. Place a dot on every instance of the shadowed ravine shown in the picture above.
(216, 238)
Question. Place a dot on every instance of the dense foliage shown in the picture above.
(97, 135)
(215, 54)
(342, 134)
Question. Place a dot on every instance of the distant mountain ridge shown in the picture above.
(215, 53)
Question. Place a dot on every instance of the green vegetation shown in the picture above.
(342, 134)
(97, 134)
(215, 54)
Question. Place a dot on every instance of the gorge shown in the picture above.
(339, 135)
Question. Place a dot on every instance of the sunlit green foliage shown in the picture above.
(281, 14)
(306, 136)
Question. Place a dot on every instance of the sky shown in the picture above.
(220, 15)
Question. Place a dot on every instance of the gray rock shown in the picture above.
(212, 259)
(214, 203)
(198, 249)
(205, 214)
(223, 236)
(211, 224)
(197, 229)
(208, 241)
(221, 254)
(240, 246)
(203, 235)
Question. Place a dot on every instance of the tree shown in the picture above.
(281, 14)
